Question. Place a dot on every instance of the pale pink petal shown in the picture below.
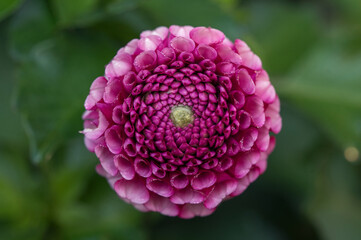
(192, 210)
(242, 185)
(204, 51)
(149, 43)
(178, 31)
(263, 139)
(94, 127)
(250, 59)
(125, 166)
(203, 180)
(162, 32)
(133, 191)
(106, 160)
(114, 139)
(181, 44)
(220, 192)
(187, 195)
(207, 36)
(96, 92)
(145, 60)
(245, 81)
(119, 66)
(163, 205)
(264, 88)
(254, 106)
(131, 47)
(160, 186)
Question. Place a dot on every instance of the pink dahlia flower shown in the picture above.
(181, 120)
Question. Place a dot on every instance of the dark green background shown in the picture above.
(51, 51)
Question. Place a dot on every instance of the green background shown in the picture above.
(51, 51)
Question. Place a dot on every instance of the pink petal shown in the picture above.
(93, 131)
(96, 92)
(160, 187)
(204, 51)
(187, 195)
(112, 91)
(179, 181)
(142, 167)
(145, 60)
(245, 81)
(254, 106)
(114, 139)
(163, 205)
(250, 59)
(243, 163)
(131, 47)
(248, 138)
(207, 36)
(133, 191)
(162, 32)
(242, 185)
(220, 192)
(264, 88)
(228, 55)
(272, 113)
(149, 43)
(179, 31)
(263, 139)
(119, 66)
(192, 210)
(106, 160)
(203, 180)
(181, 44)
(125, 166)
(129, 147)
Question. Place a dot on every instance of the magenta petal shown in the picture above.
(96, 92)
(134, 191)
(106, 160)
(160, 187)
(248, 139)
(125, 166)
(187, 195)
(192, 210)
(203, 180)
(181, 44)
(207, 36)
(167, 55)
(250, 59)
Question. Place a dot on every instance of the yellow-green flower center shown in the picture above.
(181, 116)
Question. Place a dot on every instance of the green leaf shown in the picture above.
(23, 35)
(8, 6)
(327, 87)
(70, 12)
(53, 85)
(283, 34)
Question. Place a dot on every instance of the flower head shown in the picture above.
(181, 120)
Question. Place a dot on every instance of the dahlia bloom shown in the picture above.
(181, 120)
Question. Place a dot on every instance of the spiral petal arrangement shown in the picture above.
(181, 120)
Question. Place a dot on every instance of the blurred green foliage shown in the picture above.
(50, 52)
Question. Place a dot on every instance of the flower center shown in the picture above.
(181, 116)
